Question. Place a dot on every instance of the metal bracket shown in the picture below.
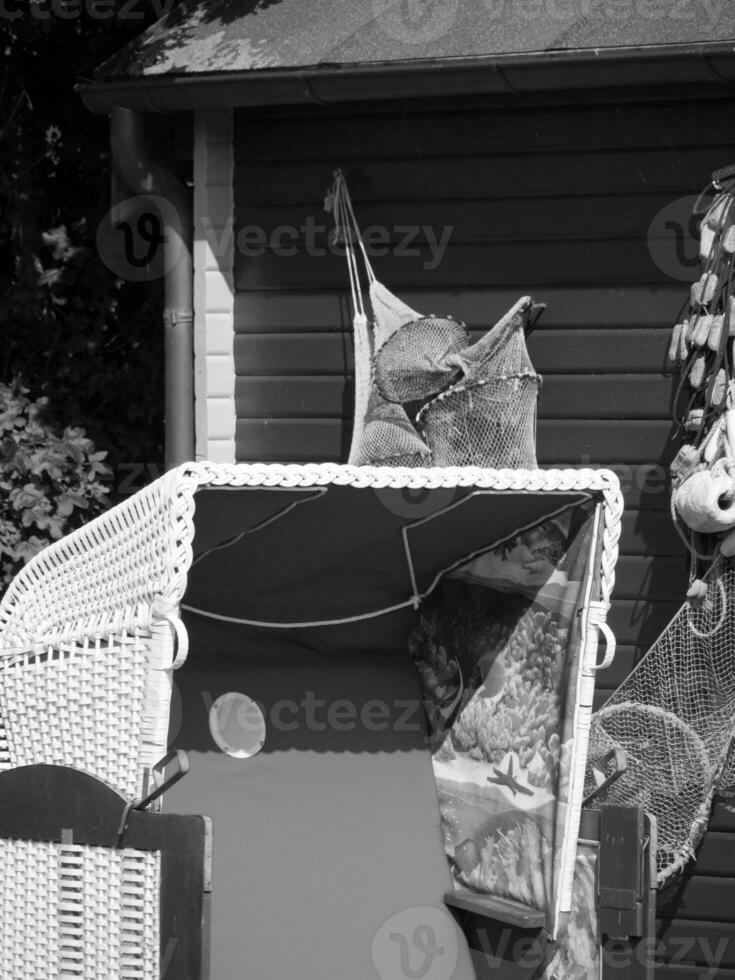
(603, 780)
(181, 767)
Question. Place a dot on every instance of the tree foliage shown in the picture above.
(50, 481)
(88, 341)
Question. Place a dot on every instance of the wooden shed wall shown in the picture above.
(547, 198)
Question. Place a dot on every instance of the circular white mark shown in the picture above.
(237, 725)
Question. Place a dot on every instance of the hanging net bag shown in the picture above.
(488, 417)
(383, 434)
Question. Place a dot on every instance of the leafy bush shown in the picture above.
(50, 482)
(71, 328)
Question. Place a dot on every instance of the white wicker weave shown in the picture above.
(70, 911)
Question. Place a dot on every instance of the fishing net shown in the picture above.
(388, 438)
(484, 407)
(416, 360)
(673, 717)
(488, 417)
(382, 433)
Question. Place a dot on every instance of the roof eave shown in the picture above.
(704, 62)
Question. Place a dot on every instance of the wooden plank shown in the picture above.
(650, 533)
(335, 133)
(563, 396)
(683, 941)
(723, 818)
(530, 266)
(388, 224)
(627, 655)
(680, 972)
(590, 442)
(619, 870)
(585, 307)
(632, 350)
(600, 351)
(640, 622)
(502, 909)
(716, 854)
(637, 576)
(523, 175)
(706, 898)
(600, 696)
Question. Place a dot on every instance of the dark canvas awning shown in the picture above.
(290, 556)
(260, 51)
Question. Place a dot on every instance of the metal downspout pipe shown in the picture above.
(141, 176)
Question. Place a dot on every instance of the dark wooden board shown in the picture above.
(553, 352)
(649, 533)
(341, 133)
(618, 306)
(639, 621)
(685, 941)
(501, 909)
(627, 656)
(723, 818)
(656, 578)
(683, 972)
(570, 396)
(707, 897)
(525, 175)
(585, 441)
(530, 266)
(600, 697)
(494, 220)
(716, 856)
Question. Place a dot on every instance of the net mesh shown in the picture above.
(388, 437)
(488, 417)
(389, 312)
(673, 717)
(415, 362)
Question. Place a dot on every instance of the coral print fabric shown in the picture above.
(497, 651)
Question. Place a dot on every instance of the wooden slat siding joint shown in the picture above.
(723, 818)
(214, 286)
(716, 854)
(662, 96)
(617, 306)
(635, 125)
(556, 353)
(579, 396)
(705, 898)
(666, 971)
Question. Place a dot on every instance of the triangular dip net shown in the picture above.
(488, 417)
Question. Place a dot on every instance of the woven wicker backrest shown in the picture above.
(88, 640)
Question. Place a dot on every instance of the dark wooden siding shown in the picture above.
(552, 200)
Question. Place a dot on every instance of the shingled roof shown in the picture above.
(217, 36)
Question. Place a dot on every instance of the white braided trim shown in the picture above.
(113, 573)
